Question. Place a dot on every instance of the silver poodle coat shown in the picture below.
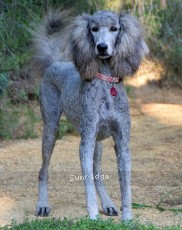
(107, 43)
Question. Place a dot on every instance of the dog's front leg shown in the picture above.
(87, 146)
(124, 171)
(106, 202)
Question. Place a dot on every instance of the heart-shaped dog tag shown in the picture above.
(113, 91)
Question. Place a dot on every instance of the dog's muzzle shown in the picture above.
(102, 49)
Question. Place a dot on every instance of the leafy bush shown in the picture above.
(17, 120)
(171, 36)
(164, 33)
(14, 44)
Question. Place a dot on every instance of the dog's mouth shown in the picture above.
(104, 55)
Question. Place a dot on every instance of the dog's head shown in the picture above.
(104, 29)
(107, 35)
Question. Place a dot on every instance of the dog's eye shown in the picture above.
(95, 29)
(113, 28)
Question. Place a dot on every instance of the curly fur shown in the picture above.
(47, 36)
(107, 43)
(83, 54)
(130, 47)
(59, 40)
(129, 51)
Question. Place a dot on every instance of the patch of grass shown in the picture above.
(158, 206)
(138, 206)
(81, 224)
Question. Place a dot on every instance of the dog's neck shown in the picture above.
(105, 68)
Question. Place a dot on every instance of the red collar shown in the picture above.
(107, 78)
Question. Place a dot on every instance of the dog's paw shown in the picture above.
(126, 216)
(110, 211)
(43, 211)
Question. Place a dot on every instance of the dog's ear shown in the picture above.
(130, 47)
(82, 48)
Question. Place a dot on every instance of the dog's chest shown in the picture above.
(93, 103)
(100, 107)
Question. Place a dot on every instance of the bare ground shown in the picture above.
(156, 146)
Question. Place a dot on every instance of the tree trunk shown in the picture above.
(163, 4)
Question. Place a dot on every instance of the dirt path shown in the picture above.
(156, 145)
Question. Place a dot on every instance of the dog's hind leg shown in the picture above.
(106, 202)
(51, 110)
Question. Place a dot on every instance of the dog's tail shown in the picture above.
(50, 40)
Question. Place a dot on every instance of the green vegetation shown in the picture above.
(65, 127)
(163, 25)
(85, 223)
(17, 121)
(164, 37)
(81, 224)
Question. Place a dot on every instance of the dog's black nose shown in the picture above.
(102, 47)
